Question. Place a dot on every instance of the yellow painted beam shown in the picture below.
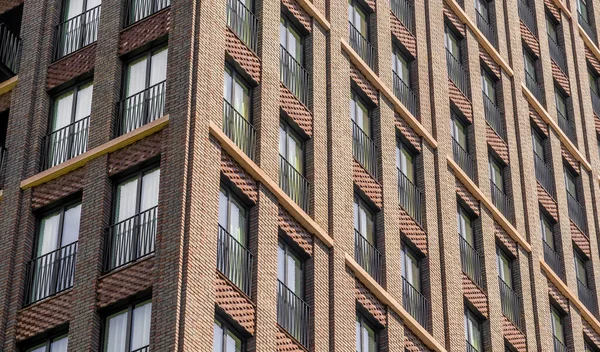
(381, 87)
(8, 85)
(588, 42)
(496, 214)
(562, 7)
(108, 147)
(315, 13)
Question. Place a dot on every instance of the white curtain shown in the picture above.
(237, 222)
(149, 198)
(227, 83)
(158, 67)
(84, 102)
(136, 77)
(126, 200)
(73, 8)
(117, 333)
(59, 345)
(140, 326)
(233, 343)
(281, 263)
(217, 338)
(71, 222)
(62, 111)
(223, 209)
(48, 237)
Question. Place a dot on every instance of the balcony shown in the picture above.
(243, 23)
(410, 197)
(559, 346)
(77, 32)
(457, 73)
(534, 87)
(493, 116)
(470, 347)
(50, 273)
(362, 46)
(501, 200)
(527, 16)
(239, 130)
(65, 143)
(10, 52)
(293, 183)
(364, 150)
(557, 54)
(130, 239)
(471, 262)
(403, 10)
(141, 108)
(486, 28)
(234, 261)
(367, 256)
(552, 259)
(587, 27)
(595, 102)
(414, 302)
(293, 314)
(567, 126)
(543, 174)
(403, 92)
(463, 159)
(143, 349)
(511, 304)
(586, 296)
(137, 10)
(576, 212)
(294, 76)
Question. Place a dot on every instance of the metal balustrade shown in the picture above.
(457, 73)
(293, 183)
(559, 346)
(587, 27)
(463, 159)
(403, 10)
(367, 256)
(486, 28)
(586, 296)
(527, 16)
(361, 45)
(141, 108)
(566, 125)
(544, 175)
(239, 130)
(534, 87)
(414, 302)
(511, 304)
(243, 23)
(410, 197)
(552, 259)
(364, 150)
(557, 54)
(234, 261)
(65, 143)
(406, 96)
(501, 200)
(576, 212)
(50, 273)
(77, 32)
(143, 349)
(494, 117)
(595, 102)
(130, 239)
(10, 49)
(137, 10)
(471, 262)
(294, 76)
(293, 314)
(470, 347)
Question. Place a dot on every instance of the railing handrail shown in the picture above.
(368, 149)
(297, 323)
(154, 7)
(559, 346)
(511, 310)
(141, 108)
(289, 177)
(544, 175)
(243, 134)
(367, 256)
(566, 125)
(552, 258)
(535, 88)
(361, 45)
(244, 24)
(595, 101)
(62, 144)
(10, 49)
(470, 347)
(493, 116)
(414, 302)
(409, 98)
(133, 217)
(406, 16)
(412, 199)
(487, 29)
(228, 247)
(576, 212)
(469, 252)
(457, 72)
(463, 159)
(501, 200)
(81, 40)
(143, 349)
(588, 296)
(527, 16)
(557, 54)
(294, 76)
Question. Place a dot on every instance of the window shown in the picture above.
(360, 114)
(144, 89)
(290, 39)
(529, 62)
(363, 220)
(459, 131)
(400, 65)
(538, 145)
(504, 267)
(405, 161)
(582, 10)
(561, 103)
(593, 81)
(58, 344)
(465, 226)
(410, 267)
(225, 339)
(547, 233)
(290, 147)
(357, 17)
(232, 216)
(452, 42)
(570, 183)
(473, 331)
(236, 93)
(557, 325)
(366, 337)
(482, 7)
(129, 330)
(488, 85)
(552, 29)
(497, 173)
(290, 271)
(79, 26)
(580, 269)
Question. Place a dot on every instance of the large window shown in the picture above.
(459, 131)
(290, 269)
(405, 162)
(488, 86)
(581, 268)
(557, 329)
(547, 232)
(225, 339)
(411, 271)
(290, 147)
(465, 226)
(593, 82)
(78, 27)
(504, 267)
(452, 42)
(400, 65)
(233, 215)
(473, 332)
(357, 17)
(57, 344)
(363, 147)
(529, 62)
(290, 39)
(292, 72)
(482, 7)
(236, 93)
(583, 10)
(129, 329)
(366, 336)
(497, 173)
(360, 114)
(364, 220)
(538, 145)
(570, 183)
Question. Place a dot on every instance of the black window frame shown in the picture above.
(289, 128)
(367, 11)
(230, 192)
(289, 248)
(402, 145)
(290, 22)
(470, 315)
(129, 307)
(139, 174)
(46, 342)
(364, 319)
(226, 326)
(148, 54)
(62, 206)
(75, 88)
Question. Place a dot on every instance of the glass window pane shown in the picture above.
(217, 337)
(158, 67)
(136, 77)
(71, 222)
(281, 263)
(48, 236)
(140, 326)
(237, 221)
(116, 333)
(41, 348)
(150, 183)
(84, 102)
(227, 85)
(234, 344)
(223, 204)
(62, 114)
(126, 200)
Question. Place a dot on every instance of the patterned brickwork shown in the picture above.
(547, 202)
(530, 39)
(239, 177)
(558, 297)
(43, 316)
(296, 232)
(234, 304)
(298, 12)
(145, 31)
(597, 123)
(134, 154)
(461, 101)
(467, 198)
(513, 335)
(6, 5)
(296, 110)
(497, 144)
(407, 132)
(489, 62)
(412, 343)
(506, 240)
(456, 22)
(551, 6)
(71, 66)
(538, 121)
(126, 282)
(366, 299)
(403, 35)
(582, 242)
(367, 184)
(371, 4)
(570, 159)
(242, 55)
(5, 101)
(364, 84)
(561, 78)
(590, 333)
(57, 189)
(475, 295)
(285, 343)
(413, 231)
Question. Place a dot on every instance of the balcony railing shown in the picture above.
(587, 27)
(557, 54)
(471, 262)
(137, 10)
(511, 304)
(486, 28)
(50, 273)
(293, 183)
(361, 45)
(501, 200)
(143, 349)
(463, 159)
(293, 314)
(410, 196)
(527, 16)
(414, 302)
(544, 175)
(403, 10)
(131, 239)
(405, 94)
(238, 129)
(552, 259)
(493, 116)
(595, 102)
(77, 32)
(534, 87)
(457, 73)
(10, 49)
(364, 150)
(243, 23)
(586, 296)
(566, 125)
(559, 346)
(141, 108)
(576, 212)
(234, 261)
(65, 143)
(470, 347)
(367, 256)
(294, 76)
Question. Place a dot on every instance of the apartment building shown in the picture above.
(182, 175)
